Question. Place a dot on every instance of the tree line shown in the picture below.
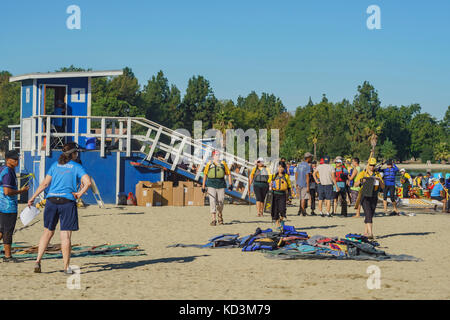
(331, 128)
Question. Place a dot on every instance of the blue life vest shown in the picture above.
(349, 175)
(389, 176)
(291, 170)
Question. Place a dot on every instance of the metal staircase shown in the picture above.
(173, 148)
(184, 149)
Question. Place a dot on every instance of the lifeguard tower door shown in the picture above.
(53, 101)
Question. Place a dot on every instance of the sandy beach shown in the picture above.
(192, 273)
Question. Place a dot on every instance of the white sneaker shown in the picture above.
(68, 271)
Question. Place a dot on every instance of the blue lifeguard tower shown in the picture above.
(118, 151)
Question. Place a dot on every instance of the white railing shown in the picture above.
(181, 147)
(14, 143)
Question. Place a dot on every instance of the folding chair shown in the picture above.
(56, 142)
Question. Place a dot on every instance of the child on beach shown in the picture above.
(281, 188)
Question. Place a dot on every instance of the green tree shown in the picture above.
(199, 103)
(388, 150)
(118, 97)
(9, 107)
(160, 101)
(442, 152)
(363, 121)
(424, 133)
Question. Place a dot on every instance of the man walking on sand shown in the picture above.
(8, 202)
(214, 179)
(325, 173)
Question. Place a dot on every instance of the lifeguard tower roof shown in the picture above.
(57, 75)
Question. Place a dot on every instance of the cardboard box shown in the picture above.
(140, 186)
(151, 198)
(167, 193)
(178, 196)
(147, 195)
(188, 187)
(199, 197)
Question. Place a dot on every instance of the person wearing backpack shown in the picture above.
(260, 177)
(281, 188)
(214, 180)
(341, 174)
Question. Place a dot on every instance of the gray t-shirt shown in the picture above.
(325, 173)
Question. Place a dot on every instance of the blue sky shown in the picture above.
(294, 49)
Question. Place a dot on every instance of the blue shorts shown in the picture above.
(66, 212)
(325, 192)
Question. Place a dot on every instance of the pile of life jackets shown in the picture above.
(292, 244)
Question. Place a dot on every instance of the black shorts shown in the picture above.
(389, 191)
(7, 226)
(369, 205)
(439, 198)
(260, 192)
(325, 192)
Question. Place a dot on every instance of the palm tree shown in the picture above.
(223, 122)
(372, 130)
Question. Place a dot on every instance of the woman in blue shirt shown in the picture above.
(62, 180)
(439, 193)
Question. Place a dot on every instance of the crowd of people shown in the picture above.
(65, 182)
(342, 182)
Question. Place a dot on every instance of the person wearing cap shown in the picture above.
(389, 176)
(214, 183)
(260, 177)
(303, 183)
(354, 191)
(373, 180)
(325, 178)
(406, 182)
(61, 180)
(8, 202)
(340, 190)
(439, 193)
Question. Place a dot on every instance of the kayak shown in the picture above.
(414, 202)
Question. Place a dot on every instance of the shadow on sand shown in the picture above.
(101, 266)
(405, 234)
(239, 222)
(318, 227)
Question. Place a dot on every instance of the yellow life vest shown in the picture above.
(279, 183)
(216, 172)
